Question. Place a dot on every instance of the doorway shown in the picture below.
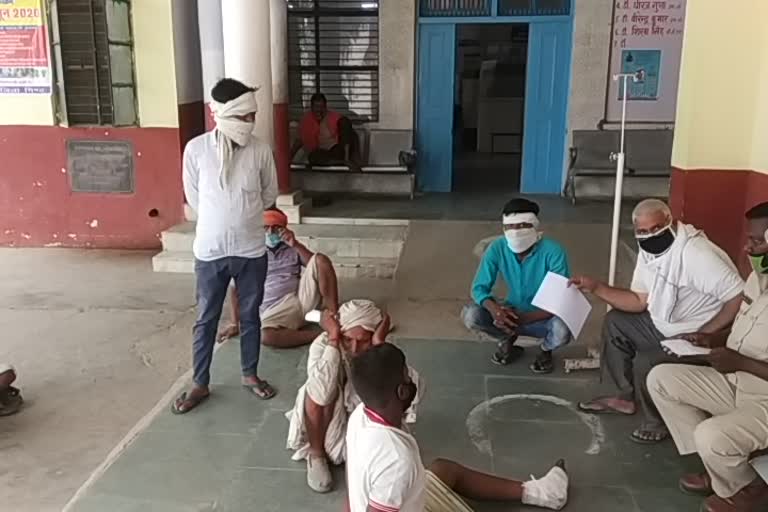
(526, 155)
(489, 106)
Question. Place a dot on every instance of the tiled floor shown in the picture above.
(229, 455)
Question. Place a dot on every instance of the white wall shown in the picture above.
(592, 39)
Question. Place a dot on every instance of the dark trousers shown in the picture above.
(213, 278)
(348, 141)
(631, 347)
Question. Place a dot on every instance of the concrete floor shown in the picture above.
(98, 340)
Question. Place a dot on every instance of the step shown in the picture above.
(294, 205)
(345, 240)
(361, 183)
(182, 262)
(638, 187)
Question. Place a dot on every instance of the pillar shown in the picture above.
(279, 57)
(211, 50)
(720, 157)
(247, 55)
(189, 93)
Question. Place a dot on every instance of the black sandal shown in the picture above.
(543, 363)
(178, 407)
(644, 435)
(507, 355)
(262, 390)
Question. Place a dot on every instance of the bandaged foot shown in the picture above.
(551, 491)
(319, 476)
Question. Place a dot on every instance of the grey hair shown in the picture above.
(650, 206)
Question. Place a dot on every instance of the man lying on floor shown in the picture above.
(721, 411)
(384, 468)
(318, 421)
(289, 294)
(10, 397)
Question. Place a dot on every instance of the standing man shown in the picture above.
(523, 257)
(683, 283)
(721, 411)
(327, 137)
(229, 179)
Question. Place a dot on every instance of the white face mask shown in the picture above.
(520, 240)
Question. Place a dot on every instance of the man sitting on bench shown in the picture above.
(289, 294)
(327, 137)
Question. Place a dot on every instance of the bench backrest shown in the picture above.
(384, 146)
(594, 148)
(649, 150)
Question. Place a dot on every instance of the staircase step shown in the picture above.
(346, 268)
(344, 240)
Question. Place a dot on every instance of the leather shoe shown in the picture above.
(752, 498)
(698, 484)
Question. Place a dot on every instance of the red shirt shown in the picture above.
(309, 128)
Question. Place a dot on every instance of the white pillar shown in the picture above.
(279, 50)
(247, 55)
(279, 54)
(211, 49)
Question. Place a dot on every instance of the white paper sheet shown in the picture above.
(761, 466)
(566, 303)
(683, 348)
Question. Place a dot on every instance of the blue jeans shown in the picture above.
(554, 332)
(213, 278)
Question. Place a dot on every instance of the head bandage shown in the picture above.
(230, 130)
(359, 313)
(521, 218)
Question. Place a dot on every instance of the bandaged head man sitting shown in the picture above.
(523, 257)
(318, 421)
(229, 179)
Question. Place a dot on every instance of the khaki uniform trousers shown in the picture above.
(722, 417)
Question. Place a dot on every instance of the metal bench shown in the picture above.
(383, 173)
(648, 156)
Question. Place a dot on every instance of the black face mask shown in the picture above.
(658, 243)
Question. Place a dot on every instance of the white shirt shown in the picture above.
(229, 220)
(384, 467)
(687, 286)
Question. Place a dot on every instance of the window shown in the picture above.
(333, 48)
(93, 49)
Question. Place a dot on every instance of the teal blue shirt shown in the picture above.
(523, 279)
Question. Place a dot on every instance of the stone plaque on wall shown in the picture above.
(101, 166)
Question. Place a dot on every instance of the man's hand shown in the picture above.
(584, 283)
(725, 360)
(504, 318)
(700, 339)
(330, 324)
(288, 236)
(380, 335)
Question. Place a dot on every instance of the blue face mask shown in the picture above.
(273, 240)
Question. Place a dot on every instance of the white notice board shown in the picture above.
(647, 37)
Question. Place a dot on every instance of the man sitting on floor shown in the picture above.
(721, 411)
(327, 137)
(10, 397)
(384, 468)
(683, 283)
(318, 420)
(523, 257)
(288, 294)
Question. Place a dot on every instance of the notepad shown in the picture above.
(684, 348)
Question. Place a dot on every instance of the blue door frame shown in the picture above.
(548, 77)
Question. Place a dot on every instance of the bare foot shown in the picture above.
(230, 332)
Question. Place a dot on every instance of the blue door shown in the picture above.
(434, 115)
(546, 104)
